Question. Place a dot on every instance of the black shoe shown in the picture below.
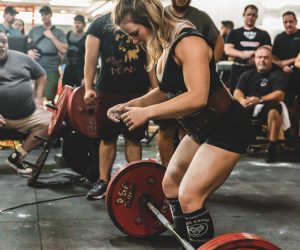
(14, 162)
(272, 152)
(98, 190)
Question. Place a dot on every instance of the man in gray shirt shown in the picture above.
(20, 108)
(47, 43)
(8, 20)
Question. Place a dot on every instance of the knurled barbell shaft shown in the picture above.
(168, 225)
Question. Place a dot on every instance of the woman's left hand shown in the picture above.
(134, 117)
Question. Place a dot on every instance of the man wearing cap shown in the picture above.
(47, 43)
(73, 73)
(8, 20)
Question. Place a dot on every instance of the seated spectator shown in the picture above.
(20, 108)
(19, 25)
(8, 20)
(265, 84)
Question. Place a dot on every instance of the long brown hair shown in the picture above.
(151, 14)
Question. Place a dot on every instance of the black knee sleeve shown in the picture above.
(178, 218)
(200, 227)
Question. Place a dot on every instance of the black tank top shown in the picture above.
(172, 82)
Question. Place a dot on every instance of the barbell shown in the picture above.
(137, 206)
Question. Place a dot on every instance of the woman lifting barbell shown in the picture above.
(219, 129)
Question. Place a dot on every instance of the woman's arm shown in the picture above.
(154, 96)
(193, 54)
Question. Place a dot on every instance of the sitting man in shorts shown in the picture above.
(20, 108)
(265, 84)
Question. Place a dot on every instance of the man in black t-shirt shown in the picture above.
(285, 50)
(242, 43)
(265, 84)
(122, 77)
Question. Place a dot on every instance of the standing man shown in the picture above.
(8, 20)
(285, 50)
(226, 27)
(182, 10)
(73, 73)
(21, 108)
(260, 90)
(242, 43)
(122, 76)
(47, 44)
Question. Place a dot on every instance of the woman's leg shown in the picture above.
(208, 170)
(174, 174)
(178, 165)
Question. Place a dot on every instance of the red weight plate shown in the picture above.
(58, 114)
(123, 199)
(82, 117)
(237, 241)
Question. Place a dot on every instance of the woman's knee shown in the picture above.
(191, 199)
(170, 186)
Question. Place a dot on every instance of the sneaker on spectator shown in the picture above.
(14, 162)
(97, 191)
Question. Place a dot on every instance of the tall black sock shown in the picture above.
(179, 221)
(199, 226)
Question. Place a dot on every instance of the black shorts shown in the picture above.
(232, 131)
(110, 130)
(166, 123)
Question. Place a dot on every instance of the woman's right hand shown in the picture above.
(115, 112)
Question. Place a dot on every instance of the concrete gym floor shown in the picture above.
(257, 198)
